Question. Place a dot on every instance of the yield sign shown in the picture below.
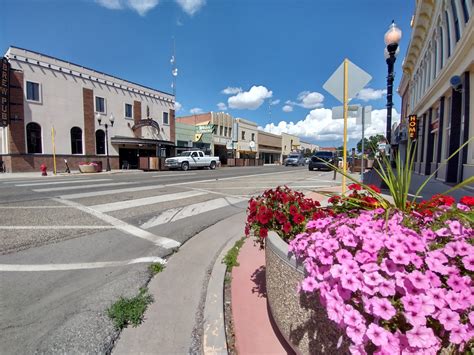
(357, 79)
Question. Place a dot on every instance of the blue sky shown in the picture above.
(271, 55)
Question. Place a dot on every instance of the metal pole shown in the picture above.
(363, 146)
(107, 146)
(344, 158)
(391, 48)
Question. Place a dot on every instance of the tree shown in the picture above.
(370, 145)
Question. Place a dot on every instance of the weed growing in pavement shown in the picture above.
(230, 259)
(130, 310)
(156, 268)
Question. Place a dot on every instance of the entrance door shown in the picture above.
(128, 158)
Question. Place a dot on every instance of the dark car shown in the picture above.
(295, 159)
(319, 160)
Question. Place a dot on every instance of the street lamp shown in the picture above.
(111, 120)
(392, 38)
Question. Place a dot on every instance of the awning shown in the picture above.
(137, 141)
(264, 150)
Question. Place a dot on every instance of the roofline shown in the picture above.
(87, 68)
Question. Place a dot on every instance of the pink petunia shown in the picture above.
(382, 308)
(433, 278)
(448, 319)
(451, 249)
(399, 257)
(343, 256)
(421, 337)
(390, 267)
(438, 295)
(419, 280)
(373, 278)
(414, 244)
(309, 284)
(416, 319)
(356, 333)
(377, 335)
(457, 283)
(353, 318)
(357, 350)
(411, 303)
(350, 282)
(468, 262)
(443, 232)
(458, 334)
(471, 318)
(452, 298)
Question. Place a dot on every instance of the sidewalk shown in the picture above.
(37, 174)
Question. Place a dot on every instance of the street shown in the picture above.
(70, 246)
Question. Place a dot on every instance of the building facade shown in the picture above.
(247, 139)
(308, 148)
(436, 89)
(186, 139)
(47, 93)
(269, 147)
(289, 143)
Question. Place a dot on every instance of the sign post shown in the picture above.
(344, 144)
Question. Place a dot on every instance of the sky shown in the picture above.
(262, 60)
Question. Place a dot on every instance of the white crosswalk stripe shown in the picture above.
(110, 192)
(77, 187)
(121, 205)
(62, 182)
(175, 214)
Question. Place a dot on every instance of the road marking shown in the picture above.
(63, 182)
(109, 192)
(121, 205)
(54, 227)
(83, 186)
(79, 266)
(175, 214)
(37, 180)
(30, 207)
(163, 242)
(187, 174)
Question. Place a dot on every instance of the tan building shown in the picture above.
(308, 147)
(247, 139)
(269, 147)
(438, 73)
(221, 144)
(290, 143)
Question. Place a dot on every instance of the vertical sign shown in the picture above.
(4, 92)
(412, 122)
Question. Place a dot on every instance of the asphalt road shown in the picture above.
(72, 245)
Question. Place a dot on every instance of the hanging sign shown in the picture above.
(412, 123)
(4, 92)
(147, 122)
(208, 128)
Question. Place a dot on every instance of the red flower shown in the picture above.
(293, 210)
(443, 200)
(374, 188)
(253, 205)
(263, 218)
(298, 218)
(280, 217)
(263, 233)
(247, 230)
(318, 214)
(355, 187)
(467, 200)
(334, 199)
(287, 227)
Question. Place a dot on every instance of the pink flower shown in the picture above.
(448, 319)
(353, 318)
(457, 283)
(421, 337)
(390, 267)
(373, 278)
(419, 280)
(350, 266)
(458, 334)
(335, 312)
(309, 284)
(356, 333)
(415, 318)
(451, 249)
(382, 308)
(387, 288)
(437, 295)
(343, 256)
(362, 257)
(399, 257)
(434, 280)
(411, 303)
(414, 243)
(427, 305)
(357, 350)
(471, 317)
(443, 232)
(455, 227)
(377, 335)
(468, 262)
(452, 299)
(350, 282)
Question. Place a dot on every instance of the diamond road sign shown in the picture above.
(357, 79)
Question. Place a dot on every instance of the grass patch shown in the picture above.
(156, 268)
(230, 259)
(130, 310)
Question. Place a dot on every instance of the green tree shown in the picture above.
(370, 145)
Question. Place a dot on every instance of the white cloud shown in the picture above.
(177, 106)
(274, 102)
(195, 111)
(221, 106)
(308, 99)
(251, 99)
(231, 90)
(191, 6)
(369, 94)
(140, 6)
(320, 126)
(287, 108)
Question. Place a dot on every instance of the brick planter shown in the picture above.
(301, 319)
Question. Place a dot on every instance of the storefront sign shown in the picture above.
(146, 123)
(208, 128)
(412, 123)
(4, 92)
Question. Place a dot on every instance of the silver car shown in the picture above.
(295, 160)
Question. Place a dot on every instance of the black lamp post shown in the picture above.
(111, 120)
(392, 38)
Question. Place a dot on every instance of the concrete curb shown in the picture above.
(214, 338)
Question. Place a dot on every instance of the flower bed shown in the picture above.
(85, 167)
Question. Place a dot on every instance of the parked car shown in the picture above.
(192, 159)
(295, 159)
(320, 159)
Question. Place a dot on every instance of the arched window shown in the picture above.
(441, 48)
(99, 142)
(454, 11)
(448, 33)
(33, 138)
(76, 140)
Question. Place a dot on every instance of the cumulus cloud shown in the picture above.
(191, 6)
(251, 99)
(221, 106)
(320, 126)
(195, 111)
(140, 6)
(111, 4)
(177, 106)
(369, 94)
(231, 90)
(287, 108)
(308, 99)
(274, 102)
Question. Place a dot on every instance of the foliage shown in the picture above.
(370, 144)
(281, 210)
(230, 259)
(395, 282)
(130, 310)
(156, 268)
(359, 198)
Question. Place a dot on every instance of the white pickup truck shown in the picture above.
(192, 159)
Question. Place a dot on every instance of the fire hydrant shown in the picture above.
(43, 170)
